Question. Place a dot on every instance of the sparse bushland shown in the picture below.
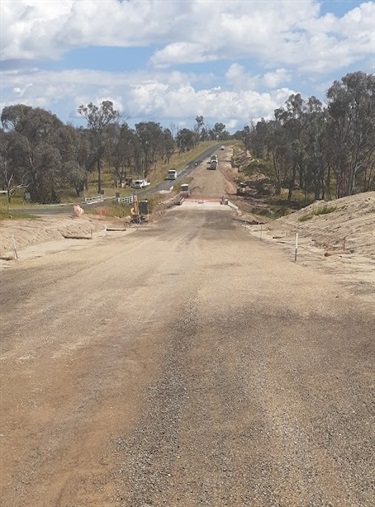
(327, 151)
(51, 161)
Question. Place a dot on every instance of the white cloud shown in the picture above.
(163, 96)
(240, 79)
(275, 78)
(277, 33)
(181, 52)
(287, 38)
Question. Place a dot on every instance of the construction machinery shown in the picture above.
(140, 210)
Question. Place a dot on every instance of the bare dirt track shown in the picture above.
(185, 363)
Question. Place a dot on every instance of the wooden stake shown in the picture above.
(296, 248)
(15, 247)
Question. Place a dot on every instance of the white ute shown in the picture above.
(140, 183)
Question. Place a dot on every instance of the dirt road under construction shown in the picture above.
(184, 364)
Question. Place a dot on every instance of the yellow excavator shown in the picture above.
(139, 212)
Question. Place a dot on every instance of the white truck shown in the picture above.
(185, 190)
(214, 162)
(140, 183)
(172, 174)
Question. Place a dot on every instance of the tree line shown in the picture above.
(42, 155)
(325, 150)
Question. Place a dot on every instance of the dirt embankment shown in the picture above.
(337, 236)
(50, 233)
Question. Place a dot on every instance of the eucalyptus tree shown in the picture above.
(123, 151)
(32, 149)
(8, 173)
(169, 145)
(77, 157)
(185, 140)
(279, 150)
(218, 131)
(351, 129)
(150, 135)
(293, 118)
(255, 138)
(204, 135)
(98, 118)
(318, 173)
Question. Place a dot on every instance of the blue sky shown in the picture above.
(232, 61)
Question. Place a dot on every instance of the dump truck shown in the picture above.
(213, 163)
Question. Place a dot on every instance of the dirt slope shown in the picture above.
(352, 220)
(41, 235)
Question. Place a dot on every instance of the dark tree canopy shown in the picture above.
(315, 148)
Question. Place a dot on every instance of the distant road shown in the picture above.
(166, 184)
(54, 209)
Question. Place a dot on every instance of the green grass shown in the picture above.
(6, 214)
(324, 210)
(270, 211)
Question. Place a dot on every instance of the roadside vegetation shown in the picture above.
(307, 152)
(6, 214)
(49, 162)
(324, 210)
(321, 152)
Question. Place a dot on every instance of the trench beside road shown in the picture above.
(185, 364)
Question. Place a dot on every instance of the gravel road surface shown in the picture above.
(184, 364)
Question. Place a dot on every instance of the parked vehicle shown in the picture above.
(172, 174)
(222, 147)
(140, 184)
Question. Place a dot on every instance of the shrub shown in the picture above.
(304, 218)
(324, 210)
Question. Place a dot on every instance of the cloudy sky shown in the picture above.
(232, 61)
